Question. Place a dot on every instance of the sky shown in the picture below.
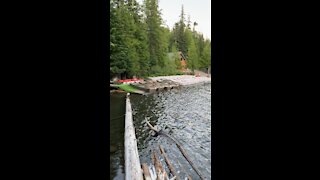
(199, 11)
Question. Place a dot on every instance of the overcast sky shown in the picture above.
(199, 11)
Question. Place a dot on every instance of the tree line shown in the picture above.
(140, 42)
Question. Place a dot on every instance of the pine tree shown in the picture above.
(206, 62)
(192, 52)
(181, 35)
(157, 45)
(118, 49)
(139, 43)
(128, 41)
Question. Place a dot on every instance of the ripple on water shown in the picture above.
(186, 115)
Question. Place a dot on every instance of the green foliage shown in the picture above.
(181, 36)
(118, 49)
(128, 88)
(156, 34)
(193, 59)
(170, 66)
(177, 62)
(140, 43)
(206, 56)
(128, 41)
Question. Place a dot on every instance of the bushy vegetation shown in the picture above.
(140, 42)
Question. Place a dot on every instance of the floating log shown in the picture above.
(146, 171)
(132, 163)
(153, 173)
(161, 173)
(117, 91)
(153, 128)
(184, 153)
(171, 168)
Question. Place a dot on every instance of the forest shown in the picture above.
(142, 45)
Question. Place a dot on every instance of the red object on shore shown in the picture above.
(129, 80)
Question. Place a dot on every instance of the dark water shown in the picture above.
(183, 113)
(117, 110)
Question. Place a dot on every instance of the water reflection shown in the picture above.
(117, 110)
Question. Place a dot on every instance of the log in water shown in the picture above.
(185, 114)
(132, 163)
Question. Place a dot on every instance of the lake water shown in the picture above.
(183, 113)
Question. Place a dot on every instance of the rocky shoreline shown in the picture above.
(184, 80)
(154, 84)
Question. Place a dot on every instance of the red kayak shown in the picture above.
(129, 80)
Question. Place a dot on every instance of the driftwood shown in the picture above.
(132, 163)
(146, 171)
(153, 173)
(161, 173)
(184, 153)
(153, 128)
(171, 168)
(150, 172)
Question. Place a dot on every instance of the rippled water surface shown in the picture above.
(183, 113)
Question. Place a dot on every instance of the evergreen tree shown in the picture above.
(139, 56)
(118, 49)
(140, 43)
(181, 35)
(193, 56)
(177, 60)
(206, 60)
(157, 46)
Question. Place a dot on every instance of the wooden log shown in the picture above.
(171, 168)
(184, 153)
(132, 162)
(146, 171)
(153, 173)
(161, 173)
(153, 128)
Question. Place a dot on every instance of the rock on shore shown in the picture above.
(184, 80)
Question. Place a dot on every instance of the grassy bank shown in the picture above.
(129, 88)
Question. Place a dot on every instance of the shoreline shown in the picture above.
(155, 84)
(184, 80)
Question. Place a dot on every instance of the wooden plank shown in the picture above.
(132, 162)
